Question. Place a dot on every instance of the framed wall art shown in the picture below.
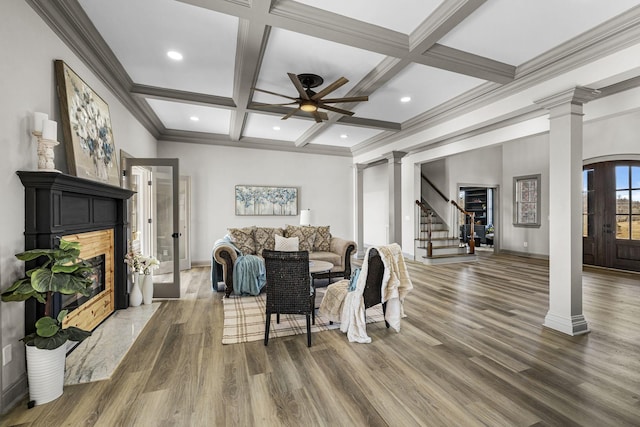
(526, 201)
(259, 200)
(86, 126)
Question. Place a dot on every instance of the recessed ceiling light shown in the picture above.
(276, 128)
(344, 136)
(405, 99)
(176, 56)
(194, 118)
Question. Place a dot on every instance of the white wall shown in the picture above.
(325, 185)
(526, 156)
(27, 85)
(375, 201)
(617, 136)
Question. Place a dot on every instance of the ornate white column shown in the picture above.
(565, 210)
(395, 196)
(358, 169)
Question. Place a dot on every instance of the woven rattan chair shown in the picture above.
(288, 287)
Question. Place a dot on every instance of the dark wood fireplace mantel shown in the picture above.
(58, 205)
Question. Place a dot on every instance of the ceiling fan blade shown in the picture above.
(349, 99)
(327, 90)
(274, 93)
(334, 109)
(289, 114)
(273, 105)
(296, 82)
(317, 116)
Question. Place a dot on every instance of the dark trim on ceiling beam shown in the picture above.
(181, 96)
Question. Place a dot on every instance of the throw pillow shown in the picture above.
(323, 239)
(306, 235)
(286, 244)
(265, 238)
(243, 239)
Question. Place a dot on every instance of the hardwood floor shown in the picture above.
(472, 351)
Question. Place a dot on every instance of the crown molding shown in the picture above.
(69, 21)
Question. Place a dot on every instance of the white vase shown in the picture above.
(45, 372)
(135, 296)
(147, 288)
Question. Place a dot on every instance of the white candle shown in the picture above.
(38, 119)
(50, 130)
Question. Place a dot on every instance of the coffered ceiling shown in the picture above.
(441, 54)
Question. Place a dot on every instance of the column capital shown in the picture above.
(360, 166)
(395, 156)
(577, 95)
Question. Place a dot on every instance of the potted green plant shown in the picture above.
(62, 272)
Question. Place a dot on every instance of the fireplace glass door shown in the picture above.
(157, 194)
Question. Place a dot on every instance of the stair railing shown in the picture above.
(424, 209)
(472, 233)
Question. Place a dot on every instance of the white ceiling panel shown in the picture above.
(515, 31)
(177, 115)
(289, 52)
(426, 86)
(273, 127)
(141, 32)
(344, 136)
(403, 16)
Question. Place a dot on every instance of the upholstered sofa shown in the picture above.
(322, 246)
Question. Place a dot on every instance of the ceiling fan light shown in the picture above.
(309, 107)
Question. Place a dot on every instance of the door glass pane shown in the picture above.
(635, 227)
(635, 176)
(622, 177)
(622, 226)
(622, 202)
(635, 201)
(163, 192)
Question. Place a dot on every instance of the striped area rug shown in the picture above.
(245, 317)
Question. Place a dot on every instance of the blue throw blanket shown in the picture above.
(249, 275)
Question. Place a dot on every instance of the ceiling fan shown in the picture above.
(310, 101)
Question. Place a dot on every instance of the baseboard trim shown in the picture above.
(12, 396)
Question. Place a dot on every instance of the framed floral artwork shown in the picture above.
(86, 127)
(258, 200)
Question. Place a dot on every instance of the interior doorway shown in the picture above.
(482, 202)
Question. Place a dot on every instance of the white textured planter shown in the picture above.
(45, 371)
(147, 288)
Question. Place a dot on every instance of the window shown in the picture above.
(628, 202)
(526, 201)
(588, 203)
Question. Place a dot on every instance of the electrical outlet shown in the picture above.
(6, 354)
(526, 244)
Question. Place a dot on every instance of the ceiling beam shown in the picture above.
(181, 96)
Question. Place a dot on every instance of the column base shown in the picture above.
(573, 325)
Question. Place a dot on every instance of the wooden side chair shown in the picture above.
(288, 287)
(372, 293)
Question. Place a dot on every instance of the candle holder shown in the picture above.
(45, 153)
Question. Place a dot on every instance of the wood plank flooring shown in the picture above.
(471, 352)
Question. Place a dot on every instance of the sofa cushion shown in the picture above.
(306, 236)
(322, 241)
(286, 244)
(331, 257)
(265, 238)
(243, 239)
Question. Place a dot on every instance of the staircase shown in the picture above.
(445, 246)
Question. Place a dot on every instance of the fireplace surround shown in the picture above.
(58, 206)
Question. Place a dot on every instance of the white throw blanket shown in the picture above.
(396, 284)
